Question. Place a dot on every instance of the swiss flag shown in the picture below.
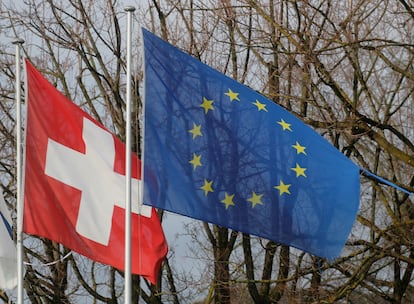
(74, 188)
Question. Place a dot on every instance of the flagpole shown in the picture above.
(19, 205)
(128, 277)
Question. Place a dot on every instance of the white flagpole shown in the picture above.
(127, 274)
(19, 206)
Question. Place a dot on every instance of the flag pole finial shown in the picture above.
(18, 41)
(129, 8)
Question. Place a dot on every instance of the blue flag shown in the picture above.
(217, 151)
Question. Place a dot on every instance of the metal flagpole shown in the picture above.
(18, 43)
(127, 274)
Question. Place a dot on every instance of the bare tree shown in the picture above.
(343, 67)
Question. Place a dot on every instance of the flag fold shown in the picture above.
(217, 151)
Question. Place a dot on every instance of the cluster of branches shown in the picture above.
(343, 67)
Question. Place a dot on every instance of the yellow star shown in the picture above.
(232, 95)
(207, 105)
(196, 131)
(255, 199)
(299, 149)
(260, 106)
(228, 200)
(283, 188)
(285, 125)
(299, 170)
(207, 187)
(196, 161)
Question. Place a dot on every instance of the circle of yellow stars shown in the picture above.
(256, 198)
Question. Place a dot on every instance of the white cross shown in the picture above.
(93, 174)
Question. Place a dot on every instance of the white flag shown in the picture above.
(8, 253)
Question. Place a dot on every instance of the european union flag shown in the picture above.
(218, 151)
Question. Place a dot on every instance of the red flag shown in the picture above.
(74, 191)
